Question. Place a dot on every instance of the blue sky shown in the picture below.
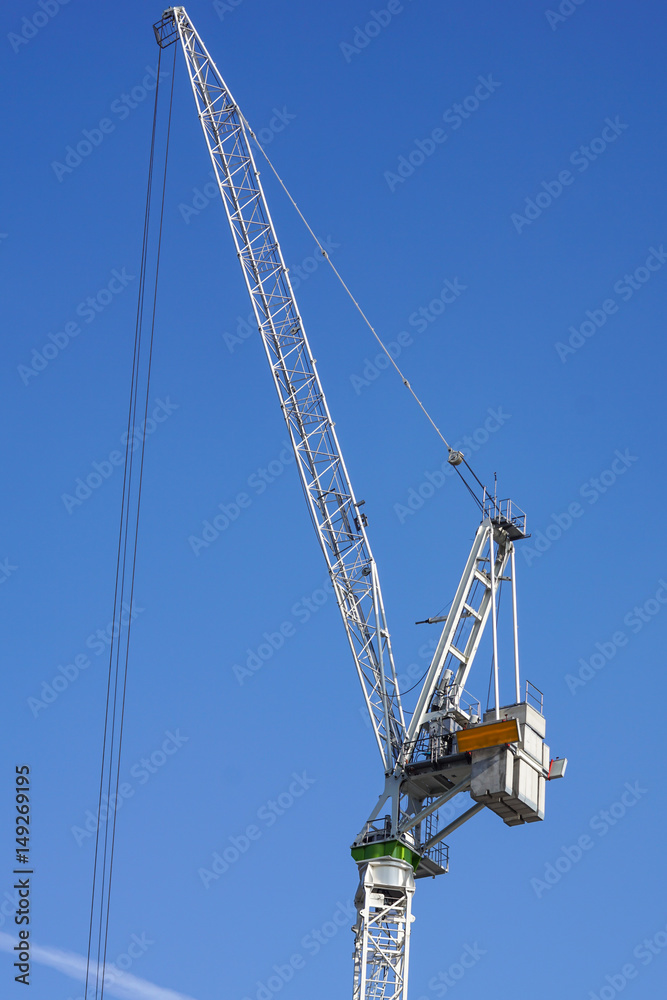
(543, 206)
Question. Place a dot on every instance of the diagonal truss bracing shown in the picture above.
(464, 626)
(382, 942)
(331, 501)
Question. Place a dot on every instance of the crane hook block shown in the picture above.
(455, 457)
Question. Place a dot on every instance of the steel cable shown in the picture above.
(366, 320)
(126, 557)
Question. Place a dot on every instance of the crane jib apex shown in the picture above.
(450, 747)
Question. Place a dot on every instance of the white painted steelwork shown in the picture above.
(382, 941)
(339, 524)
(423, 768)
(464, 626)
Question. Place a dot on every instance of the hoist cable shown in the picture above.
(363, 315)
(138, 510)
(472, 472)
(124, 499)
(113, 732)
(469, 488)
(416, 683)
(115, 646)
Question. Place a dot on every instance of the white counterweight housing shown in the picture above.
(511, 780)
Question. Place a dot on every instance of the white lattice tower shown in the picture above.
(382, 942)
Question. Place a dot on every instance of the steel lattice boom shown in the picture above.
(498, 757)
(330, 497)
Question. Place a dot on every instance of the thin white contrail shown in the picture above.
(119, 984)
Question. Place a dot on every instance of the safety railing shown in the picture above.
(439, 855)
(504, 512)
(534, 697)
(379, 830)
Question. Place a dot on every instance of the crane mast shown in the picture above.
(499, 757)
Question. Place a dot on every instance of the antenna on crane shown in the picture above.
(450, 747)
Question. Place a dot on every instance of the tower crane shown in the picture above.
(450, 747)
